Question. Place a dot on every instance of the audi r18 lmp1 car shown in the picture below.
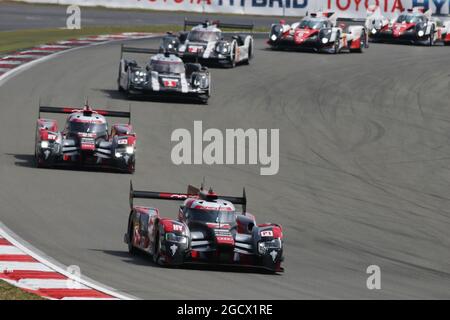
(206, 43)
(318, 32)
(85, 139)
(164, 74)
(208, 230)
(416, 26)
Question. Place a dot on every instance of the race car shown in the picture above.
(206, 43)
(208, 230)
(164, 74)
(416, 26)
(85, 140)
(318, 32)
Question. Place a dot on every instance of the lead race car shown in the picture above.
(164, 74)
(206, 43)
(318, 32)
(208, 230)
(85, 139)
(416, 26)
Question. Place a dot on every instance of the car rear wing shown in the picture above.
(138, 50)
(191, 23)
(137, 194)
(69, 110)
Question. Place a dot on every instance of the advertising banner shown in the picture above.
(345, 8)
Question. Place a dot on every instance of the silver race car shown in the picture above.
(206, 43)
(164, 74)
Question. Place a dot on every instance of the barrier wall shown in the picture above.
(346, 8)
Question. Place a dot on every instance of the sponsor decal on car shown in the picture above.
(170, 83)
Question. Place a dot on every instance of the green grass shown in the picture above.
(9, 292)
(15, 40)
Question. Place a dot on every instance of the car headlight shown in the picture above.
(223, 48)
(272, 244)
(129, 150)
(262, 248)
(273, 37)
(325, 40)
(175, 238)
(421, 33)
(374, 31)
(44, 144)
(118, 154)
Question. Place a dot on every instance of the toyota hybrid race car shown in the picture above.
(206, 43)
(318, 32)
(164, 74)
(85, 139)
(416, 26)
(208, 230)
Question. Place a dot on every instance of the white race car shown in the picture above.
(318, 32)
(206, 43)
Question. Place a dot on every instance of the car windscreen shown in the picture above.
(312, 24)
(167, 67)
(409, 18)
(87, 127)
(203, 36)
(212, 216)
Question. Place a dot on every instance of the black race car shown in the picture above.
(164, 74)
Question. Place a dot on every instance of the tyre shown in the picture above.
(232, 62)
(131, 167)
(131, 249)
(38, 162)
(431, 40)
(250, 52)
(203, 99)
(157, 252)
(363, 43)
(337, 42)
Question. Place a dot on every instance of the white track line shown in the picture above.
(6, 266)
(11, 62)
(10, 250)
(37, 284)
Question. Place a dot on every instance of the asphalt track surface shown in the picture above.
(364, 172)
(16, 16)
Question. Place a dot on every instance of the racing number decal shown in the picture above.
(267, 233)
(177, 227)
